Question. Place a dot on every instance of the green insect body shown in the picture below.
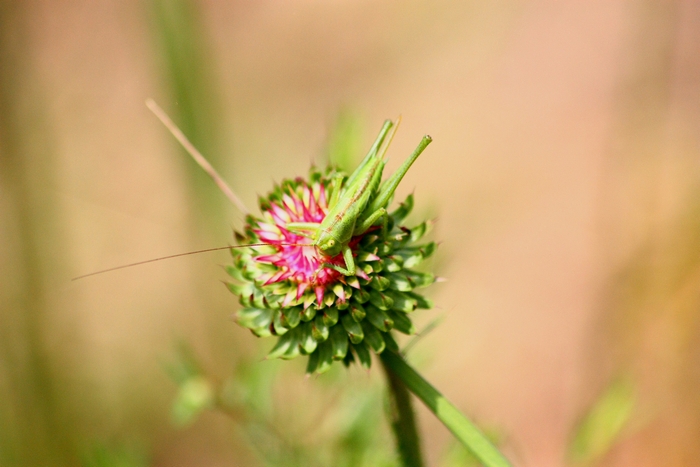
(358, 203)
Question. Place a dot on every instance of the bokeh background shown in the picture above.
(564, 176)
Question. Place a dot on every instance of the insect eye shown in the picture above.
(331, 243)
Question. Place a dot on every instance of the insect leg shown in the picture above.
(388, 124)
(336, 188)
(369, 221)
(299, 226)
(305, 229)
(389, 186)
(349, 269)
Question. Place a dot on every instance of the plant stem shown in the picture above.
(445, 411)
(403, 420)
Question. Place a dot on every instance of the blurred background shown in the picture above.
(564, 176)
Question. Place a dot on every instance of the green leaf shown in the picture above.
(390, 342)
(604, 423)
(463, 429)
(185, 365)
(193, 397)
(345, 141)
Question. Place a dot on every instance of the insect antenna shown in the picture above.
(138, 263)
(196, 155)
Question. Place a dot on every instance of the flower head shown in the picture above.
(286, 288)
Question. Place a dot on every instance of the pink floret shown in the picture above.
(297, 259)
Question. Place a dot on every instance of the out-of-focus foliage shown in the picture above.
(603, 425)
(101, 455)
(192, 95)
(34, 402)
(195, 392)
(348, 430)
(345, 141)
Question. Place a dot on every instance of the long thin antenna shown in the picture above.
(183, 254)
(196, 155)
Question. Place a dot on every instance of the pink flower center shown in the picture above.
(297, 259)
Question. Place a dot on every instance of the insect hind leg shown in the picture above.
(364, 224)
(305, 229)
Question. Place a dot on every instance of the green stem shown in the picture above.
(403, 420)
(448, 414)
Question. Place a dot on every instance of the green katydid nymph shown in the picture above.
(358, 203)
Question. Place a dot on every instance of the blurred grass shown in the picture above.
(650, 239)
(344, 148)
(332, 422)
(34, 429)
(192, 98)
(604, 423)
(102, 455)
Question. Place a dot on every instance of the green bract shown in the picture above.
(286, 291)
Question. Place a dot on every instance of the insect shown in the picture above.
(359, 203)
(355, 205)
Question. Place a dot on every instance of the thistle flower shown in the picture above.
(287, 290)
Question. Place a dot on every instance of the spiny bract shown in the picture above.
(284, 290)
